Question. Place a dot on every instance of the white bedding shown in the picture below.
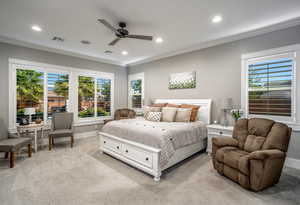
(163, 135)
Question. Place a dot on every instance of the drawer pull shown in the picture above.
(147, 158)
(118, 147)
(221, 133)
(104, 142)
(126, 151)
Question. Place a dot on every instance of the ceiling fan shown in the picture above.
(122, 32)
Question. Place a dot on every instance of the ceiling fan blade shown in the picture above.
(114, 42)
(108, 25)
(141, 37)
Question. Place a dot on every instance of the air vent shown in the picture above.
(56, 38)
(108, 52)
(85, 42)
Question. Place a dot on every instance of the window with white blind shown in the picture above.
(270, 85)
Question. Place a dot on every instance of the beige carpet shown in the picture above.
(83, 176)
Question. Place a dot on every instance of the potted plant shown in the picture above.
(236, 114)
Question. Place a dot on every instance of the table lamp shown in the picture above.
(29, 111)
(226, 107)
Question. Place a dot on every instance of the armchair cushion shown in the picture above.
(259, 126)
(278, 138)
(267, 154)
(224, 141)
(61, 133)
(254, 143)
(13, 144)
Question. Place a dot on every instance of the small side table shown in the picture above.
(216, 130)
(31, 128)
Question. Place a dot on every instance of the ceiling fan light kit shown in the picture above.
(121, 32)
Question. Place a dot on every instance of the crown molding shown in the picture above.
(4, 39)
(250, 32)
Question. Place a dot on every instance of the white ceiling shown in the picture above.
(184, 25)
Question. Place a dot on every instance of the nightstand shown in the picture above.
(216, 130)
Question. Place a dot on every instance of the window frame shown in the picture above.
(73, 74)
(136, 76)
(283, 52)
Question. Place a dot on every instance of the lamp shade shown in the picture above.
(29, 111)
(227, 104)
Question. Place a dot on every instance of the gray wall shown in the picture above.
(10, 51)
(218, 72)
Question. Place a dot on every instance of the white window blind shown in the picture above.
(270, 87)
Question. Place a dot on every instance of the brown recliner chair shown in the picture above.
(121, 114)
(255, 156)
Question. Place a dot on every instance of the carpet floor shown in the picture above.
(84, 176)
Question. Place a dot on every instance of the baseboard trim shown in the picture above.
(293, 163)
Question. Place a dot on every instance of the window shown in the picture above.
(269, 87)
(136, 91)
(30, 93)
(58, 92)
(86, 97)
(103, 97)
(49, 89)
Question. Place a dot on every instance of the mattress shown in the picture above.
(167, 136)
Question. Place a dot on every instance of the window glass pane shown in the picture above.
(58, 93)
(30, 93)
(86, 94)
(270, 87)
(136, 93)
(103, 97)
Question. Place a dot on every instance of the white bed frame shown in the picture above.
(147, 158)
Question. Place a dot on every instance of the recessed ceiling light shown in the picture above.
(159, 40)
(217, 19)
(36, 28)
(124, 53)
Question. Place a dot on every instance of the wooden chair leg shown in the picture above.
(50, 142)
(72, 141)
(12, 159)
(6, 155)
(29, 150)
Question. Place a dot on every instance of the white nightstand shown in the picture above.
(215, 130)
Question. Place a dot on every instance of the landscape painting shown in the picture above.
(182, 80)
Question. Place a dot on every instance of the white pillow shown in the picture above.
(183, 115)
(168, 114)
(153, 116)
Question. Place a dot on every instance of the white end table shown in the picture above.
(216, 130)
(33, 127)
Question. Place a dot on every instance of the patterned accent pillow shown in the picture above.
(153, 116)
(148, 109)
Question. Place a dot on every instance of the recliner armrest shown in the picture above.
(267, 154)
(224, 141)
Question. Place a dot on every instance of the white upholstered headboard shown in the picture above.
(204, 113)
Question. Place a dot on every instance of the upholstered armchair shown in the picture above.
(62, 126)
(121, 114)
(255, 155)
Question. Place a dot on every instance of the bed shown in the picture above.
(155, 146)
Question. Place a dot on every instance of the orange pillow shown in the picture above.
(159, 105)
(172, 105)
(194, 113)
